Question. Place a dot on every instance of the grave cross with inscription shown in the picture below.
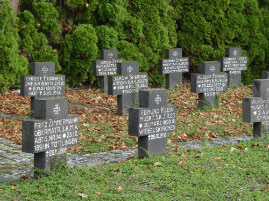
(233, 63)
(209, 83)
(256, 108)
(106, 66)
(173, 67)
(42, 83)
(50, 133)
(151, 121)
(126, 85)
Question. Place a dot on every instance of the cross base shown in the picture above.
(234, 78)
(125, 101)
(206, 101)
(104, 83)
(44, 162)
(260, 130)
(172, 80)
(147, 147)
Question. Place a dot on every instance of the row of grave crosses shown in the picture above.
(207, 84)
(51, 130)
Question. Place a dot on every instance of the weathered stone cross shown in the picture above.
(256, 108)
(106, 66)
(233, 63)
(151, 121)
(209, 83)
(173, 67)
(126, 85)
(42, 83)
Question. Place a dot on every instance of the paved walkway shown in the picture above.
(15, 163)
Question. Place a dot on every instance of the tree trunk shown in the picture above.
(15, 5)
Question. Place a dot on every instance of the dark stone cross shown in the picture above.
(256, 108)
(42, 83)
(209, 83)
(151, 121)
(126, 85)
(173, 67)
(50, 133)
(106, 66)
(233, 63)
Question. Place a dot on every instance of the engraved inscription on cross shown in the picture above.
(151, 121)
(233, 63)
(126, 85)
(209, 83)
(106, 66)
(256, 108)
(43, 82)
(173, 67)
(51, 132)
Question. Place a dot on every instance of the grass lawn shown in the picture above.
(234, 172)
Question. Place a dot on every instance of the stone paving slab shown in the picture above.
(14, 163)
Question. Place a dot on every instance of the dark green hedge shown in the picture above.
(73, 32)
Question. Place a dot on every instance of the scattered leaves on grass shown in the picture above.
(119, 188)
(182, 163)
(232, 149)
(157, 164)
(82, 195)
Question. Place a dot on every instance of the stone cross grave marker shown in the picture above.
(233, 63)
(106, 66)
(265, 75)
(42, 83)
(173, 66)
(126, 85)
(209, 83)
(51, 132)
(151, 121)
(256, 108)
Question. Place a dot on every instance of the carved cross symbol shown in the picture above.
(110, 54)
(235, 52)
(158, 99)
(130, 69)
(175, 53)
(212, 68)
(45, 69)
(56, 109)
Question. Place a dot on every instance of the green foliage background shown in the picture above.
(73, 32)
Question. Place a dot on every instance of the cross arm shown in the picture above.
(40, 86)
(144, 121)
(43, 135)
(119, 84)
(105, 67)
(176, 65)
(202, 83)
(255, 109)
